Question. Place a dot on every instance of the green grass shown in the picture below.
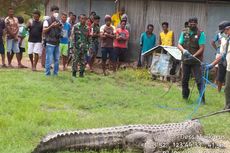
(32, 105)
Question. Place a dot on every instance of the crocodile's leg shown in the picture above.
(140, 142)
(150, 145)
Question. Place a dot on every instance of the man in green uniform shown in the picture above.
(80, 39)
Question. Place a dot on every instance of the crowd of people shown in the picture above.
(62, 35)
(74, 39)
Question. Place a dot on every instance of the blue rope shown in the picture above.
(199, 100)
(205, 82)
(174, 109)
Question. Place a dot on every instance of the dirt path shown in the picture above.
(97, 65)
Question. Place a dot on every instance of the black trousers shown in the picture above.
(189, 69)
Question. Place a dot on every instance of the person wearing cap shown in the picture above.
(116, 18)
(107, 35)
(221, 67)
(224, 54)
(192, 44)
(127, 26)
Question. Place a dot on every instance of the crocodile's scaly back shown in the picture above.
(108, 138)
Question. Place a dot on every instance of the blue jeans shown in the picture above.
(52, 52)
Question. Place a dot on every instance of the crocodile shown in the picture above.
(141, 138)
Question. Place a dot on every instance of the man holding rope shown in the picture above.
(191, 44)
(224, 54)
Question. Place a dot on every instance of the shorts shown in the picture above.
(22, 50)
(107, 51)
(2, 48)
(120, 54)
(12, 46)
(35, 48)
(64, 49)
(221, 73)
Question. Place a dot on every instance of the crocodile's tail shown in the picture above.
(79, 141)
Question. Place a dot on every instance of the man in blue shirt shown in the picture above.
(147, 41)
(64, 41)
(191, 44)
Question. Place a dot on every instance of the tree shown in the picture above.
(22, 7)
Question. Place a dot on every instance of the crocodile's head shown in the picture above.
(196, 126)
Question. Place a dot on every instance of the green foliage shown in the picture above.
(32, 105)
(22, 7)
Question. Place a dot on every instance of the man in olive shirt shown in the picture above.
(192, 45)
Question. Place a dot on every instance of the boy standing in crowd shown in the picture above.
(12, 30)
(120, 43)
(80, 38)
(35, 39)
(21, 35)
(69, 17)
(147, 41)
(91, 19)
(2, 48)
(107, 34)
(52, 31)
(166, 36)
(116, 17)
(73, 20)
(125, 18)
(66, 31)
(95, 34)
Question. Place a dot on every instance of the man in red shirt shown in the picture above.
(120, 43)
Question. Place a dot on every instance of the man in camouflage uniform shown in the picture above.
(80, 38)
(94, 41)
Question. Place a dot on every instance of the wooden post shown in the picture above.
(90, 6)
(66, 6)
(46, 3)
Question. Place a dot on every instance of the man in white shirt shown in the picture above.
(224, 53)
